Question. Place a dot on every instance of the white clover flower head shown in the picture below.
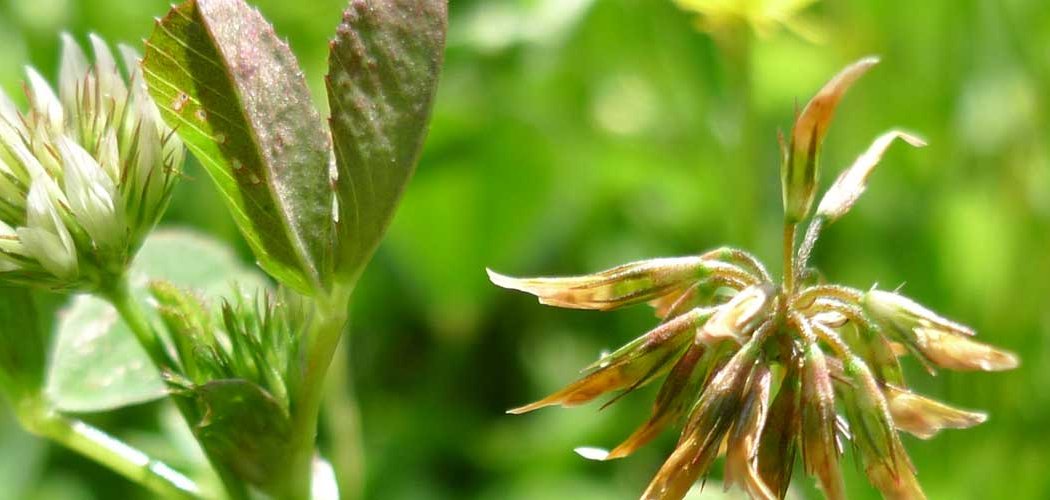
(85, 173)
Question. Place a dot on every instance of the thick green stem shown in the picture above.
(342, 421)
(322, 338)
(120, 296)
(95, 444)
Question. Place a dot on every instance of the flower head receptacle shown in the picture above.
(85, 172)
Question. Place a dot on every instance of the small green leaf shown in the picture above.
(237, 97)
(96, 363)
(383, 73)
(243, 426)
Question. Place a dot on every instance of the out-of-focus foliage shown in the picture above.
(571, 135)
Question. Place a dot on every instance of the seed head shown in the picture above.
(759, 371)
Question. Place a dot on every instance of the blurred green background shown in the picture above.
(572, 135)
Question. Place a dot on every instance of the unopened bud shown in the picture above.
(617, 287)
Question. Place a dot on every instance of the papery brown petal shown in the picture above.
(820, 453)
(708, 424)
(850, 184)
(817, 114)
(681, 470)
(725, 391)
(742, 445)
(779, 442)
(620, 286)
(799, 175)
(958, 352)
(924, 417)
(683, 381)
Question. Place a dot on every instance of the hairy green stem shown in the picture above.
(39, 419)
(119, 295)
(808, 242)
(845, 294)
(322, 338)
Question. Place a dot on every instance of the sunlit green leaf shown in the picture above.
(383, 72)
(237, 97)
(243, 426)
(96, 362)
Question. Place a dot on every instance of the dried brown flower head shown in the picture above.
(761, 372)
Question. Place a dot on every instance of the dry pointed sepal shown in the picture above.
(620, 286)
(800, 173)
(237, 96)
(923, 417)
(943, 342)
(631, 366)
(852, 182)
(820, 449)
(382, 76)
(743, 442)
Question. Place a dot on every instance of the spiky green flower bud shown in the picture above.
(236, 369)
(85, 173)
